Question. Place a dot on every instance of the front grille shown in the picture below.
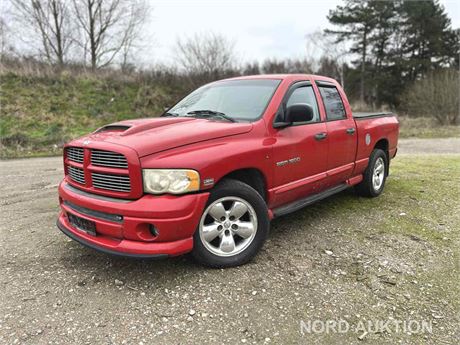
(117, 183)
(76, 174)
(75, 154)
(108, 159)
(100, 165)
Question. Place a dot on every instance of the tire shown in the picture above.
(232, 209)
(372, 186)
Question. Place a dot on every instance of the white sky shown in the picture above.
(260, 29)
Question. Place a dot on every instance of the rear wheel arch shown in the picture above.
(383, 145)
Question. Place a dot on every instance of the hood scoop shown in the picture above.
(148, 124)
(113, 128)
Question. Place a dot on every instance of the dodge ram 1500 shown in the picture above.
(209, 174)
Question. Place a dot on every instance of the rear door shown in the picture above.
(342, 135)
(300, 150)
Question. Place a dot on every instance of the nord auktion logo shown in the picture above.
(364, 327)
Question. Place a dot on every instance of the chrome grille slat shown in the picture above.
(108, 159)
(76, 174)
(75, 154)
(113, 178)
(111, 182)
(100, 158)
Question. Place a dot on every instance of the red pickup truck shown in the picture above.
(209, 174)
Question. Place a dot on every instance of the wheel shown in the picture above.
(233, 227)
(375, 175)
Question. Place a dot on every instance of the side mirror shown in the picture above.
(300, 112)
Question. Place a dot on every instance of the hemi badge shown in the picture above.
(208, 182)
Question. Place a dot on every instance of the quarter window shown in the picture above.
(333, 103)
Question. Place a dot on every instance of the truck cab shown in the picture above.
(209, 174)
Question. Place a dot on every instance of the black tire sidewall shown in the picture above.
(375, 155)
(229, 188)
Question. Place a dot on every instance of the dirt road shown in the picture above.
(426, 146)
(346, 258)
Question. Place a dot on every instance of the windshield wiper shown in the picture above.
(211, 113)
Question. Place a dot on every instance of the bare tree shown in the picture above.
(50, 21)
(274, 65)
(207, 53)
(108, 28)
(329, 50)
(436, 96)
(3, 36)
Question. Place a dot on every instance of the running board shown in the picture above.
(297, 205)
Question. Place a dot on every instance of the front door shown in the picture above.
(300, 150)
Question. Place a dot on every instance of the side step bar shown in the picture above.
(298, 204)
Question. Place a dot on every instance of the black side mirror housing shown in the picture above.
(300, 112)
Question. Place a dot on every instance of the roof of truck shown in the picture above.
(297, 76)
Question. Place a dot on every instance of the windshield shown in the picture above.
(236, 99)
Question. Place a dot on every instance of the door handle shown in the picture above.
(321, 136)
(351, 131)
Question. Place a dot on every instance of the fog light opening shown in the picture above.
(153, 231)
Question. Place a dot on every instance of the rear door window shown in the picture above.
(335, 109)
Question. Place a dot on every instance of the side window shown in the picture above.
(333, 103)
(305, 94)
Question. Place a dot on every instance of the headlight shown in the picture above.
(174, 181)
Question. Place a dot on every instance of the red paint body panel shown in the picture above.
(176, 218)
(214, 149)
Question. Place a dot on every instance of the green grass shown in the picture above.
(39, 114)
(426, 188)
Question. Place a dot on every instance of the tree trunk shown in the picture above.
(92, 38)
(59, 46)
(363, 66)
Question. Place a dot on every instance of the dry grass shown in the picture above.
(424, 127)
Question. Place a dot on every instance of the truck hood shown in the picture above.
(148, 136)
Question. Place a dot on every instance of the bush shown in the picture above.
(436, 96)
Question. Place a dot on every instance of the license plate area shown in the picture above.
(82, 224)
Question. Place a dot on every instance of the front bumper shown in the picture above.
(123, 226)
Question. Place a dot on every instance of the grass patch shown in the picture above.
(423, 127)
(426, 190)
(39, 114)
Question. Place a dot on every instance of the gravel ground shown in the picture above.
(425, 146)
(333, 261)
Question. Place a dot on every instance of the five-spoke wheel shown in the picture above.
(233, 227)
(228, 226)
(375, 174)
(378, 174)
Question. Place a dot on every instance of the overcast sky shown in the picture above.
(260, 28)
